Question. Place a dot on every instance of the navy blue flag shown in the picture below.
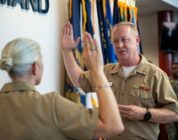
(105, 28)
(89, 27)
(116, 13)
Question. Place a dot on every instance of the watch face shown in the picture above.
(147, 116)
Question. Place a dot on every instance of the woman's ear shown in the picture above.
(35, 68)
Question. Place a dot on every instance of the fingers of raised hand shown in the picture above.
(67, 29)
(89, 42)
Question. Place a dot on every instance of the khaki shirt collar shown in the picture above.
(18, 86)
(141, 67)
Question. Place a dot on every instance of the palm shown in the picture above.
(67, 40)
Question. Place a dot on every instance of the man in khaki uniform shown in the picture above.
(143, 91)
(28, 115)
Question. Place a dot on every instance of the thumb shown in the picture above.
(77, 41)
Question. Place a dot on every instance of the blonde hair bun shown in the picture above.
(6, 64)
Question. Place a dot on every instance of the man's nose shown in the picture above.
(119, 44)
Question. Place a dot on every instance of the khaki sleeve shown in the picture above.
(74, 120)
(84, 79)
(166, 95)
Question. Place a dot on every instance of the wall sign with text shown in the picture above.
(40, 6)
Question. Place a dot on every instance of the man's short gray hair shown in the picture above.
(126, 23)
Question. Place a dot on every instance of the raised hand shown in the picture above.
(67, 40)
(92, 55)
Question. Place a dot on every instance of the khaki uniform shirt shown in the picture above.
(146, 86)
(27, 115)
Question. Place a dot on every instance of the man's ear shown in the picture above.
(35, 68)
(138, 40)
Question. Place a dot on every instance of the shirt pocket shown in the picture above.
(142, 94)
(142, 97)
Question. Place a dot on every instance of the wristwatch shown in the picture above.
(147, 115)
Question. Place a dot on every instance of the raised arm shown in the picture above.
(109, 122)
(68, 44)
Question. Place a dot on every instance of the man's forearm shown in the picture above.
(73, 70)
(162, 115)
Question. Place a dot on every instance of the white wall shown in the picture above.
(149, 36)
(43, 28)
